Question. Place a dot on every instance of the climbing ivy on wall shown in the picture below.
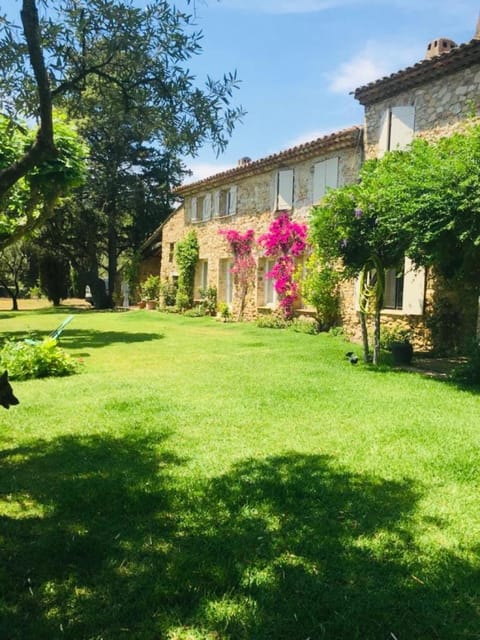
(186, 257)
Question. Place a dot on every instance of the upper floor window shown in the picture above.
(396, 129)
(325, 176)
(225, 202)
(201, 208)
(284, 191)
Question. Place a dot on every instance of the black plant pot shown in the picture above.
(402, 352)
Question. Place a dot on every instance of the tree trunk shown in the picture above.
(366, 347)
(43, 148)
(376, 335)
(99, 293)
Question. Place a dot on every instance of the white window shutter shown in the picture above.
(228, 282)
(285, 189)
(413, 289)
(325, 176)
(319, 181)
(384, 135)
(194, 209)
(216, 203)
(331, 174)
(232, 201)
(402, 127)
(207, 206)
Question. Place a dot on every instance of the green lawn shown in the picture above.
(200, 480)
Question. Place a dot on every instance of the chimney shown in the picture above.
(439, 46)
(477, 32)
(244, 161)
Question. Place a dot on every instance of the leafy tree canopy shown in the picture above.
(31, 199)
(142, 52)
(423, 202)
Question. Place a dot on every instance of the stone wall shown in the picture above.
(255, 199)
(439, 106)
(442, 107)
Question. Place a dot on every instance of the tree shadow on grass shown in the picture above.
(91, 339)
(105, 538)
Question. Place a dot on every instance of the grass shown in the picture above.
(210, 481)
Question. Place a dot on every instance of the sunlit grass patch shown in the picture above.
(217, 481)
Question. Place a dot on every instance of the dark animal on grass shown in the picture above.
(6, 392)
(352, 358)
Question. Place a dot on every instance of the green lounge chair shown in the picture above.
(53, 335)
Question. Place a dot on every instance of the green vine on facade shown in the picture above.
(186, 257)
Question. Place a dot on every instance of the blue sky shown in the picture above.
(299, 59)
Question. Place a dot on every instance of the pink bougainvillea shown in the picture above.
(284, 240)
(244, 264)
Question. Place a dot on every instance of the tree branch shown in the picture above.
(44, 146)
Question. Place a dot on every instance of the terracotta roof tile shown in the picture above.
(338, 140)
(441, 65)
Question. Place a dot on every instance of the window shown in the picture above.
(325, 176)
(397, 129)
(225, 202)
(194, 209)
(269, 293)
(284, 193)
(393, 294)
(225, 281)
(201, 275)
(413, 289)
(201, 208)
(404, 289)
(171, 251)
(207, 207)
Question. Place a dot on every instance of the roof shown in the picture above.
(339, 140)
(152, 243)
(458, 58)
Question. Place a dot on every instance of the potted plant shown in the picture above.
(151, 291)
(397, 341)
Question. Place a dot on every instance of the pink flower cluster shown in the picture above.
(284, 240)
(284, 237)
(244, 263)
(241, 244)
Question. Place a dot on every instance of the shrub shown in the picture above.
(195, 312)
(394, 335)
(39, 360)
(468, 373)
(224, 312)
(168, 292)
(320, 287)
(272, 321)
(208, 302)
(305, 325)
(151, 287)
(35, 291)
(182, 300)
(336, 332)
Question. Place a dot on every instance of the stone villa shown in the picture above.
(431, 98)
